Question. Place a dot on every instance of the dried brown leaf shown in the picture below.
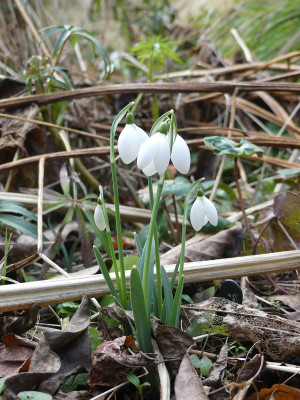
(111, 362)
(276, 336)
(293, 301)
(13, 358)
(172, 343)
(250, 368)
(24, 137)
(277, 392)
(18, 323)
(58, 355)
(212, 247)
(216, 375)
(187, 383)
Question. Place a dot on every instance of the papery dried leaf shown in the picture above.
(287, 210)
(111, 362)
(10, 87)
(106, 330)
(250, 368)
(18, 323)
(14, 340)
(293, 301)
(13, 137)
(12, 359)
(75, 395)
(276, 336)
(173, 343)
(216, 375)
(212, 247)
(187, 383)
(58, 355)
(277, 392)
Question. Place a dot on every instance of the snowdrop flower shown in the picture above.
(180, 156)
(154, 155)
(99, 218)
(203, 211)
(130, 140)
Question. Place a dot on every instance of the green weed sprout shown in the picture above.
(136, 382)
(153, 155)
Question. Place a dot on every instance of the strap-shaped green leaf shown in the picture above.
(168, 296)
(174, 320)
(141, 318)
(105, 272)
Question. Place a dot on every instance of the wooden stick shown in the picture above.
(161, 87)
(22, 295)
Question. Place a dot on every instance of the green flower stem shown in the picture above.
(113, 256)
(157, 257)
(119, 235)
(150, 236)
(123, 295)
(183, 232)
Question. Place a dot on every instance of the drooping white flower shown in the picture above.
(130, 140)
(154, 155)
(99, 218)
(180, 155)
(203, 211)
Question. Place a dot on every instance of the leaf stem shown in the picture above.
(238, 188)
(157, 256)
(150, 236)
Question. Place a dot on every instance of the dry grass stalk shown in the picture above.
(20, 296)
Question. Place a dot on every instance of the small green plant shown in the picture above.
(152, 55)
(136, 382)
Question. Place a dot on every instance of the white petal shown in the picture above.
(129, 143)
(162, 157)
(147, 151)
(142, 134)
(180, 156)
(210, 211)
(149, 170)
(197, 215)
(99, 218)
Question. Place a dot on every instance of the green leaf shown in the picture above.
(16, 208)
(174, 320)
(133, 379)
(129, 262)
(31, 395)
(162, 224)
(94, 337)
(143, 235)
(223, 223)
(140, 314)
(168, 296)
(205, 365)
(223, 145)
(67, 308)
(105, 272)
(61, 40)
(20, 224)
(74, 381)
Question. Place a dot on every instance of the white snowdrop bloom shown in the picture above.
(180, 155)
(130, 140)
(154, 154)
(99, 218)
(203, 211)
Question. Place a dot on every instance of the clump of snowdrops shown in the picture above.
(151, 290)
